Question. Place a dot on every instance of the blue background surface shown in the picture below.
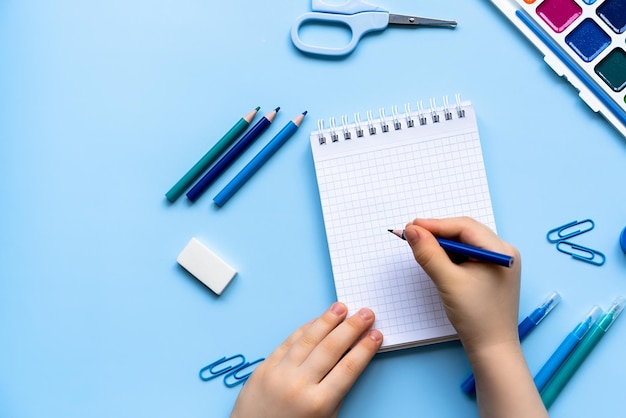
(104, 105)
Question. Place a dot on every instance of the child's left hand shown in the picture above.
(310, 373)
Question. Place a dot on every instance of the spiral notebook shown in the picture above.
(378, 173)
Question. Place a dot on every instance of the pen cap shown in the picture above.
(594, 314)
(542, 311)
(611, 315)
(592, 317)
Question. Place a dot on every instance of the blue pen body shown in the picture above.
(256, 163)
(228, 158)
(555, 361)
(565, 349)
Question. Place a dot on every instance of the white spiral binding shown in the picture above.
(407, 120)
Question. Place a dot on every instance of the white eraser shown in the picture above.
(206, 266)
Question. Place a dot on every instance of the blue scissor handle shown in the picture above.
(359, 24)
(348, 7)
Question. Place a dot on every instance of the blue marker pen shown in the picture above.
(531, 321)
(523, 329)
(563, 351)
(580, 353)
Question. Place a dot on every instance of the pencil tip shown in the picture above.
(305, 112)
(390, 230)
(257, 108)
(277, 109)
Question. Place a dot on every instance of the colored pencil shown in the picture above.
(208, 158)
(258, 160)
(232, 154)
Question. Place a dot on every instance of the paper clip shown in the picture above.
(581, 253)
(235, 374)
(561, 233)
(213, 374)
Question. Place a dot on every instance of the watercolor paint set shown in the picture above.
(584, 41)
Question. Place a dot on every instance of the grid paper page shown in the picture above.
(371, 184)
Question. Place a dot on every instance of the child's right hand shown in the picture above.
(482, 302)
(481, 299)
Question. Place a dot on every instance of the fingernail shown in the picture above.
(411, 235)
(366, 314)
(375, 335)
(338, 308)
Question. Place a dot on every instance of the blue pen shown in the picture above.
(563, 351)
(258, 160)
(232, 154)
(523, 329)
(469, 251)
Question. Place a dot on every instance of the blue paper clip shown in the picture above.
(235, 374)
(561, 233)
(213, 374)
(581, 253)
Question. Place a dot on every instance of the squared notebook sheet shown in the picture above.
(381, 180)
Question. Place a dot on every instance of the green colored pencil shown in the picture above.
(205, 162)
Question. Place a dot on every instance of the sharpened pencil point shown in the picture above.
(277, 109)
(305, 112)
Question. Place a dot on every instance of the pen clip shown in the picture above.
(561, 233)
(581, 253)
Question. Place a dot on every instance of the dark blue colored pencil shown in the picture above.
(468, 251)
(232, 154)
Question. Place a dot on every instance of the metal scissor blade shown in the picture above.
(419, 21)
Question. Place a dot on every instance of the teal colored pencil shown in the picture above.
(205, 162)
(579, 354)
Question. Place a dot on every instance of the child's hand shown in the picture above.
(481, 299)
(482, 302)
(310, 373)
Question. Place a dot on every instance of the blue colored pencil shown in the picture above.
(258, 160)
(469, 251)
(232, 154)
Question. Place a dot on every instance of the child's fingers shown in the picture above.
(429, 254)
(280, 351)
(314, 333)
(466, 230)
(330, 350)
(343, 376)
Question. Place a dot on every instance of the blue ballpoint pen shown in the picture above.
(523, 329)
(565, 348)
(468, 251)
(240, 146)
(281, 137)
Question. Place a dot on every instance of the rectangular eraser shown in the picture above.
(206, 266)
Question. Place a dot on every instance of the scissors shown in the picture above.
(360, 17)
